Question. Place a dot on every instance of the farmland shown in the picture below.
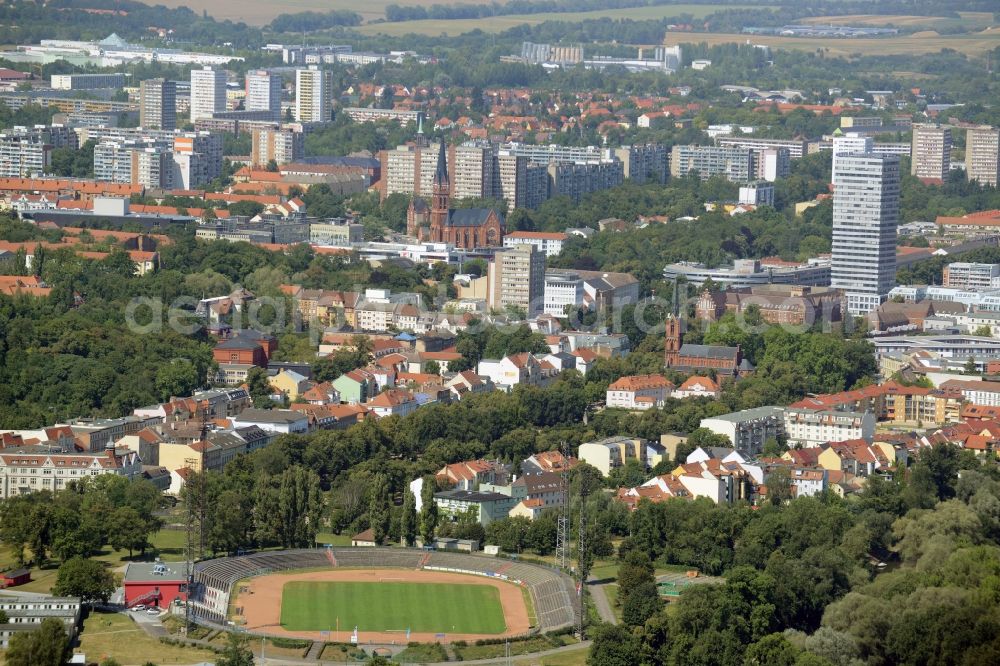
(257, 12)
(501, 23)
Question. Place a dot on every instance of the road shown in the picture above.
(601, 602)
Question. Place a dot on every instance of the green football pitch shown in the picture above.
(388, 606)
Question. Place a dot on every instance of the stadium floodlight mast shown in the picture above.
(563, 521)
(583, 562)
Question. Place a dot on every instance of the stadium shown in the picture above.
(377, 596)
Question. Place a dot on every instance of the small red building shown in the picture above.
(240, 351)
(155, 583)
(16, 577)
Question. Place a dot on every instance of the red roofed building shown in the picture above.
(639, 392)
(697, 386)
(392, 402)
(469, 474)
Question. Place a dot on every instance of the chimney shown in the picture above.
(109, 451)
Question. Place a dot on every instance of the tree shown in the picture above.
(642, 603)
(259, 388)
(87, 579)
(772, 650)
(48, 645)
(288, 507)
(128, 531)
(408, 519)
(237, 651)
(428, 509)
(614, 645)
(231, 524)
(432, 368)
(177, 378)
(779, 485)
(378, 508)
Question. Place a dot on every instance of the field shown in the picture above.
(918, 43)
(114, 635)
(256, 12)
(383, 604)
(261, 13)
(421, 607)
(973, 20)
(501, 23)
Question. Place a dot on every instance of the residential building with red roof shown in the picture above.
(697, 386)
(639, 392)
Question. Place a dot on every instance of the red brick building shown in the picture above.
(695, 358)
(155, 583)
(240, 351)
(468, 228)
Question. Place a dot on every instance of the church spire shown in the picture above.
(441, 174)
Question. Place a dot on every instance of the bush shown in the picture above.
(290, 643)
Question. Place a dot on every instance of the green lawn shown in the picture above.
(423, 607)
(116, 636)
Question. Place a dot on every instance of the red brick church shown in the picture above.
(695, 358)
(468, 228)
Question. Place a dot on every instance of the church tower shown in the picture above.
(672, 340)
(440, 197)
(673, 336)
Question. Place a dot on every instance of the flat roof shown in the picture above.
(143, 572)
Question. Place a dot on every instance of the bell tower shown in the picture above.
(673, 336)
(440, 196)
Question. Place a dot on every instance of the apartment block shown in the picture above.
(410, 169)
(516, 279)
(578, 179)
(263, 92)
(208, 93)
(369, 115)
(280, 145)
(982, 155)
(24, 156)
(773, 163)
(930, 152)
(474, 173)
(313, 94)
(736, 164)
(644, 163)
(523, 183)
(749, 429)
(815, 427)
(158, 104)
(968, 275)
(86, 81)
(796, 147)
